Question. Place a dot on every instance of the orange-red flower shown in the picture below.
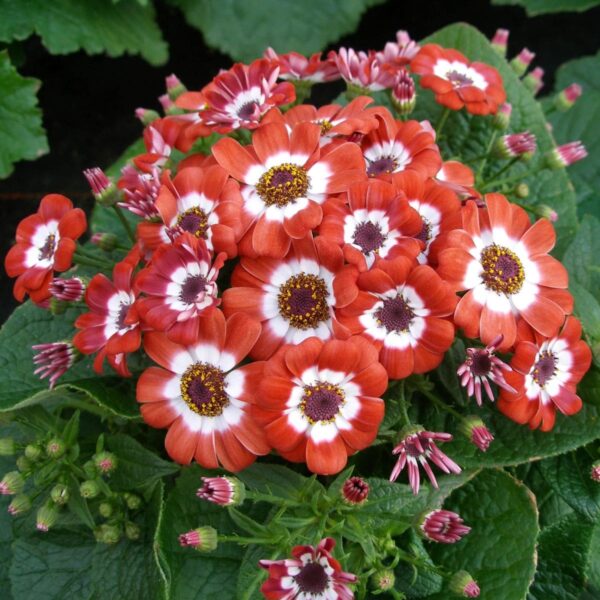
(458, 82)
(297, 67)
(45, 243)
(319, 402)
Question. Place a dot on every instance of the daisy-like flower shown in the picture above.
(180, 285)
(503, 263)
(319, 402)
(111, 328)
(54, 360)
(140, 191)
(457, 177)
(376, 223)
(45, 243)
(416, 448)
(400, 52)
(312, 574)
(241, 96)
(443, 526)
(482, 366)
(297, 67)
(201, 201)
(399, 145)
(402, 310)
(363, 72)
(438, 207)
(545, 376)
(199, 395)
(160, 137)
(286, 178)
(458, 82)
(295, 298)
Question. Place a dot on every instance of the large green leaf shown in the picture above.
(499, 551)
(95, 26)
(245, 29)
(540, 7)
(21, 133)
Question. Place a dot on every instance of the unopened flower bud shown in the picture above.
(12, 483)
(521, 62)
(203, 539)
(500, 41)
(7, 446)
(90, 469)
(534, 81)
(174, 87)
(404, 96)
(33, 452)
(502, 117)
(383, 580)
(20, 504)
(107, 534)
(565, 155)
(132, 531)
(105, 241)
(547, 212)
(133, 502)
(462, 584)
(23, 463)
(105, 462)
(522, 191)
(595, 471)
(47, 516)
(67, 290)
(443, 526)
(515, 145)
(146, 115)
(105, 191)
(566, 98)
(475, 430)
(355, 491)
(55, 448)
(225, 491)
(53, 360)
(89, 489)
(105, 509)
(60, 494)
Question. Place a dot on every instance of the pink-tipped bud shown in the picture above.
(105, 241)
(355, 491)
(565, 155)
(104, 190)
(54, 359)
(203, 539)
(547, 212)
(595, 471)
(516, 145)
(534, 81)
(20, 504)
(502, 117)
(12, 483)
(475, 430)
(47, 516)
(404, 96)
(383, 580)
(67, 290)
(146, 115)
(105, 462)
(462, 584)
(174, 87)
(521, 62)
(565, 99)
(443, 526)
(225, 491)
(500, 41)
(166, 102)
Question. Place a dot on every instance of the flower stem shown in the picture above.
(244, 540)
(403, 407)
(258, 497)
(517, 177)
(80, 257)
(442, 121)
(488, 150)
(441, 404)
(125, 223)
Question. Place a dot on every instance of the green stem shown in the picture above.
(505, 168)
(270, 499)
(125, 223)
(81, 258)
(243, 540)
(441, 404)
(403, 407)
(517, 177)
(442, 122)
(487, 153)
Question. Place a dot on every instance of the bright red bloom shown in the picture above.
(312, 574)
(297, 67)
(180, 285)
(401, 309)
(111, 328)
(545, 376)
(286, 178)
(320, 402)
(364, 70)
(377, 224)
(398, 145)
(140, 191)
(199, 395)
(201, 201)
(160, 137)
(458, 82)
(241, 96)
(503, 262)
(45, 243)
(294, 297)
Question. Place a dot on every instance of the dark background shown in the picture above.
(88, 101)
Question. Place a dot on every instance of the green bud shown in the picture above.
(107, 534)
(133, 502)
(12, 483)
(106, 509)
(57, 307)
(462, 584)
(90, 469)
(132, 531)
(203, 539)
(60, 494)
(383, 580)
(20, 504)
(55, 448)
(105, 462)
(7, 446)
(522, 190)
(33, 452)
(23, 463)
(89, 489)
(47, 516)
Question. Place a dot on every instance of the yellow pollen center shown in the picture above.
(195, 221)
(302, 300)
(321, 402)
(502, 269)
(202, 388)
(326, 126)
(283, 184)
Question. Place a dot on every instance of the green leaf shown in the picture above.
(540, 7)
(244, 30)
(78, 505)
(21, 133)
(6, 535)
(250, 576)
(274, 479)
(426, 581)
(564, 552)
(95, 26)
(499, 551)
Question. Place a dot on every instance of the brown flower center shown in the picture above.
(425, 234)
(383, 165)
(321, 402)
(283, 184)
(47, 250)
(312, 579)
(481, 364)
(195, 221)
(191, 287)
(458, 79)
(502, 269)
(202, 388)
(302, 301)
(246, 111)
(395, 314)
(545, 368)
(368, 236)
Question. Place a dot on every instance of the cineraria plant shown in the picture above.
(314, 352)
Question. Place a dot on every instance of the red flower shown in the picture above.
(398, 145)
(401, 309)
(296, 67)
(241, 96)
(364, 70)
(457, 177)
(312, 574)
(201, 398)
(181, 285)
(45, 243)
(377, 224)
(294, 297)
(286, 180)
(545, 376)
(400, 52)
(140, 191)
(503, 262)
(160, 137)
(319, 402)
(457, 82)
(111, 328)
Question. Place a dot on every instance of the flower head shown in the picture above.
(46, 517)
(225, 491)
(311, 573)
(521, 62)
(566, 98)
(364, 71)
(355, 491)
(140, 191)
(462, 584)
(12, 483)
(105, 462)
(534, 81)
(516, 144)
(500, 41)
(53, 360)
(443, 526)
(296, 67)
(400, 52)
(595, 471)
(476, 431)
(104, 190)
(566, 155)
(19, 505)
(404, 96)
(67, 290)
(203, 539)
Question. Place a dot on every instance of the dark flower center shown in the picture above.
(195, 221)
(381, 166)
(425, 234)
(202, 388)
(312, 578)
(302, 300)
(47, 250)
(544, 369)
(458, 79)
(502, 269)
(247, 110)
(321, 402)
(481, 363)
(123, 310)
(395, 314)
(191, 287)
(368, 236)
(283, 184)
